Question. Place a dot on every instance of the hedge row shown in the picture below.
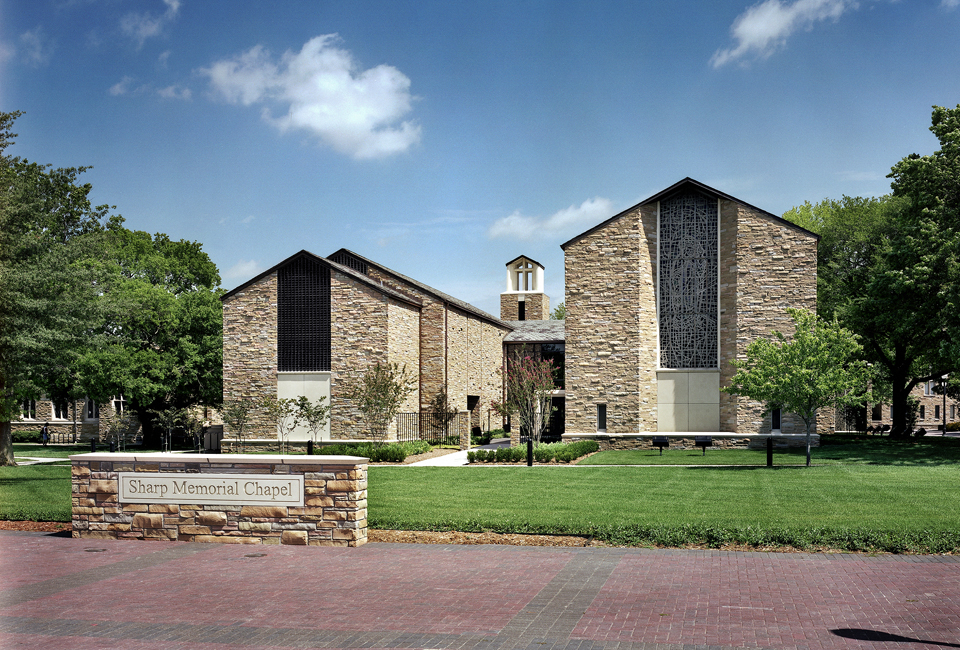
(394, 452)
(542, 453)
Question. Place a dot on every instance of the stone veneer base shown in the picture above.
(334, 511)
(686, 439)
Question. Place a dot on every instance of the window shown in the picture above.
(688, 281)
(521, 310)
(119, 405)
(29, 408)
(93, 410)
(876, 413)
(60, 411)
(923, 412)
(936, 412)
(953, 411)
(775, 419)
(601, 417)
(928, 388)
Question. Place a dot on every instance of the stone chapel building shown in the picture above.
(659, 299)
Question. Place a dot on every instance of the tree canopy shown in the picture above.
(889, 268)
(91, 308)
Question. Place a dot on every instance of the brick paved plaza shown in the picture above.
(58, 592)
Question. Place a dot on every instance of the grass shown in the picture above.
(856, 507)
(35, 492)
(869, 495)
(834, 450)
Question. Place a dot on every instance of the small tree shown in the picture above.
(167, 420)
(284, 415)
(559, 312)
(314, 415)
(443, 411)
(817, 367)
(379, 394)
(236, 413)
(528, 384)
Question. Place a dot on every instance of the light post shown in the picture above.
(943, 389)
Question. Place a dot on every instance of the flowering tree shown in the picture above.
(817, 367)
(528, 383)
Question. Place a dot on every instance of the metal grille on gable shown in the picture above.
(303, 316)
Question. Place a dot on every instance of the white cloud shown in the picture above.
(764, 27)
(567, 221)
(324, 92)
(35, 47)
(247, 219)
(122, 87)
(140, 27)
(243, 270)
(950, 4)
(175, 92)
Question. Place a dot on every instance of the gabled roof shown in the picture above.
(524, 257)
(436, 293)
(340, 268)
(536, 331)
(676, 188)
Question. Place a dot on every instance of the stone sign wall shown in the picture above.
(315, 500)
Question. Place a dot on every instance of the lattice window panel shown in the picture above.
(303, 316)
(688, 282)
(350, 262)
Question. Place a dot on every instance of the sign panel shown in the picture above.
(211, 489)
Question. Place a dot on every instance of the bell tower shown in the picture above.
(524, 298)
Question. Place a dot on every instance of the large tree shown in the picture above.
(49, 242)
(163, 327)
(889, 268)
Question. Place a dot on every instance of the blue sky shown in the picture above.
(443, 139)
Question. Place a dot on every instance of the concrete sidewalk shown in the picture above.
(57, 592)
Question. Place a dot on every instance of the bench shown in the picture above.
(661, 442)
(704, 442)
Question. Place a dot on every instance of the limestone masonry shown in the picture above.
(228, 499)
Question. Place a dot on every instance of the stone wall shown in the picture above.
(334, 510)
(776, 268)
(457, 349)
(611, 325)
(360, 337)
(250, 350)
(536, 307)
(85, 429)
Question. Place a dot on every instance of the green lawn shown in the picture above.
(35, 492)
(834, 450)
(872, 494)
(840, 506)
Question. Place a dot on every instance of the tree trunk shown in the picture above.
(898, 381)
(6, 445)
(809, 423)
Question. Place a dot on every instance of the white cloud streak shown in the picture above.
(325, 93)
(141, 27)
(950, 4)
(568, 221)
(35, 48)
(765, 27)
(244, 270)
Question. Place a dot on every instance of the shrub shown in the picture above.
(25, 436)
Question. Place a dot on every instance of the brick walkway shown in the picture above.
(58, 592)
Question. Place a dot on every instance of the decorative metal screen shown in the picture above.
(350, 262)
(303, 316)
(688, 282)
